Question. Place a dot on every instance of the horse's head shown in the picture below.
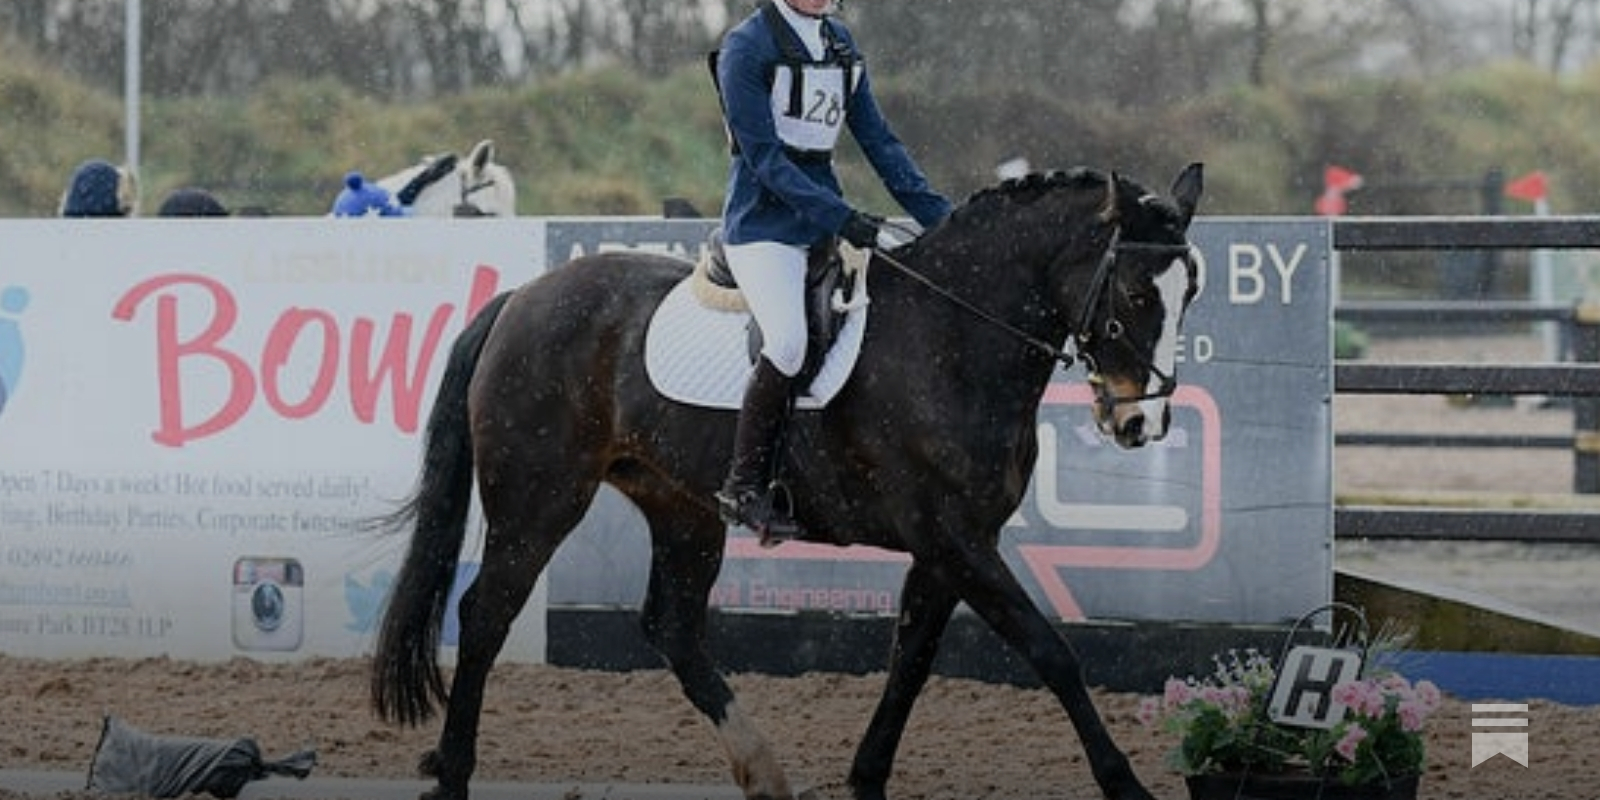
(487, 189)
(448, 186)
(1128, 324)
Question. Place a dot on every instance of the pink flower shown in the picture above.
(1412, 714)
(1178, 693)
(1353, 736)
(1149, 710)
(1373, 701)
(1348, 693)
(1238, 698)
(1397, 683)
(1362, 697)
(1428, 695)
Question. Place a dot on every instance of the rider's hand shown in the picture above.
(891, 237)
(861, 230)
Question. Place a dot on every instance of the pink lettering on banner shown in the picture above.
(369, 368)
(280, 344)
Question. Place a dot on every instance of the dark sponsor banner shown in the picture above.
(1228, 520)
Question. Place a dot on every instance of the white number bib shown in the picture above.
(820, 114)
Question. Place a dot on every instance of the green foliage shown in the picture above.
(610, 141)
(49, 124)
(1349, 342)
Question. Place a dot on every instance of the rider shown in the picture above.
(790, 79)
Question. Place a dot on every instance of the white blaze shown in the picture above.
(1172, 284)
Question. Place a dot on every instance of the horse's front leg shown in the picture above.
(983, 580)
(925, 609)
(682, 570)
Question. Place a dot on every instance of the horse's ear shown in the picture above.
(481, 155)
(1108, 209)
(1186, 190)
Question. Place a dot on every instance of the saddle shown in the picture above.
(825, 315)
(825, 318)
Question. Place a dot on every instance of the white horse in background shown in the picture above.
(449, 186)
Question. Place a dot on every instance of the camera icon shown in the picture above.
(268, 604)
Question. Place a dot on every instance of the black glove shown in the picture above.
(861, 230)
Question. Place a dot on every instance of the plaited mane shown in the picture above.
(1029, 188)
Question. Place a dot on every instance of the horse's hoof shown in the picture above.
(428, 765)
(441, 793)
(859, 791)
(1134, 792)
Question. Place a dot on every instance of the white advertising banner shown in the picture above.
(195, 415)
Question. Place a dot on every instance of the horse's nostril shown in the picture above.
(1133, 428)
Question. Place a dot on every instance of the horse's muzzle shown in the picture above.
(1131, 420)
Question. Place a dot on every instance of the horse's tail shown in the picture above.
(406, 680)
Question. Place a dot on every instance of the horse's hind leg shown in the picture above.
(525, 527)
(926, 606)
(686, 556)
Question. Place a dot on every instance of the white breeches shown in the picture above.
(773, 279)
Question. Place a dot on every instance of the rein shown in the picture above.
(1084, 337)
(1055, 353)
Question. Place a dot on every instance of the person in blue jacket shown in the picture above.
(99, 188)
(791, 80)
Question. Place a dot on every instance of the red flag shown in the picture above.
(1531, 187)
(1338, 179)
(1331, 204)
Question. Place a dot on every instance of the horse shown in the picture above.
(927, 449)
(447, 186)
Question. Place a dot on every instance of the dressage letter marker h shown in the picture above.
(1488, 744)
(1303, 696)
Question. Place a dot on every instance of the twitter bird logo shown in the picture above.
(365, 600)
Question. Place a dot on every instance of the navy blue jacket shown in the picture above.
(93, 191)
(770, 197)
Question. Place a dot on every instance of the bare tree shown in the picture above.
(28, 21)
(457, 47)
(1123, 52)
(1543, 31)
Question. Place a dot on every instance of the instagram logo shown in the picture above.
(267, 604)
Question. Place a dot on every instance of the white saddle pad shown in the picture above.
(701, 356)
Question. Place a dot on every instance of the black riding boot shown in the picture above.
(746, 497)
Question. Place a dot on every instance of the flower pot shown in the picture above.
(1295, 786)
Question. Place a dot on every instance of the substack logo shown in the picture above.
(1490, 736)
(13, 301)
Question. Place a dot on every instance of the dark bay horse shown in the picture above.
(927, 450)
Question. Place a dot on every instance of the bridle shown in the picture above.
(465, 208)
(1084, 337)
(1100, 295)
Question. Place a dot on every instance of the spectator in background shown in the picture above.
(191, 202)
(100, 189)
